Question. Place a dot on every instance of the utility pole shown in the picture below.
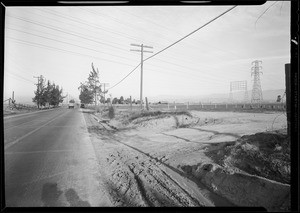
(104, 84)
(142, 46)
(257, 96)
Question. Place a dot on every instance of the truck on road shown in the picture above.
(71, 104)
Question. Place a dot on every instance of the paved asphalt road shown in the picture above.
(50, 161)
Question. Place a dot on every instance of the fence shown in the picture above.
(211, 107)
(18, 106)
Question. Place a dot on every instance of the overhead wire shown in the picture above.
(66, 43)
(24, 79)
(190, 33)
(161, 60)
(176, 42)
(190, 68)
(265, 12)
(62, 50)
(86, 23)
(124, 77)
(76, 34)
(77, 20)
(173, 30)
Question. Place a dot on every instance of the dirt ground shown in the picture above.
(177, 158)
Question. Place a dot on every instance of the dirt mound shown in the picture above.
(151, 120)
(163, 120)
(264, 154)
(241, 188)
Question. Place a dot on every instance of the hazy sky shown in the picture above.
(60, 43)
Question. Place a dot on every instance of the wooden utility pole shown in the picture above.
(142, 52)
(104, 84)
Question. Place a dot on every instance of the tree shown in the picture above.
(50, 94)
(121, 100)
(56, 95)
(115, 101)
(86, 95)
(102, 100)
(127, 101)
(93, 83)
(39, 97)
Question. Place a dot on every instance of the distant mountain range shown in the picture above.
(268, 96)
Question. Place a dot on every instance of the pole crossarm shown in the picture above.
(140, 45)
(147, 47)
(136, 50)
(145, 51)
(137, 45)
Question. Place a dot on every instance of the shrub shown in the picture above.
(111, 112)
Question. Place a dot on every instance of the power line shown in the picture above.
(67, 43)
(116, 20)
(190, 33)
(190, 76)
(20, 78)
(94, 49)
(62, 50)
(55, 35)
(265, 12)
(87, 24)
(124, 77)
(173, 30)
(176, 43)
(186, 67)
(63, 31)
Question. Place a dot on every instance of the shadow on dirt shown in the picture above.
(218, 133)
(51, 194)
(181, 138)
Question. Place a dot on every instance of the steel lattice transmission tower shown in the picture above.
(257, 96)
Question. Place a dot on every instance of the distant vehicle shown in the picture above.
(82, 106)
(71, 105)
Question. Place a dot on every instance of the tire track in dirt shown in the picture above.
(146, 178)
(139, 179)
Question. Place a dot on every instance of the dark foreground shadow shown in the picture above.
(74, 199)
(51, 194)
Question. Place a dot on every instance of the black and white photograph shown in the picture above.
(148, 106)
